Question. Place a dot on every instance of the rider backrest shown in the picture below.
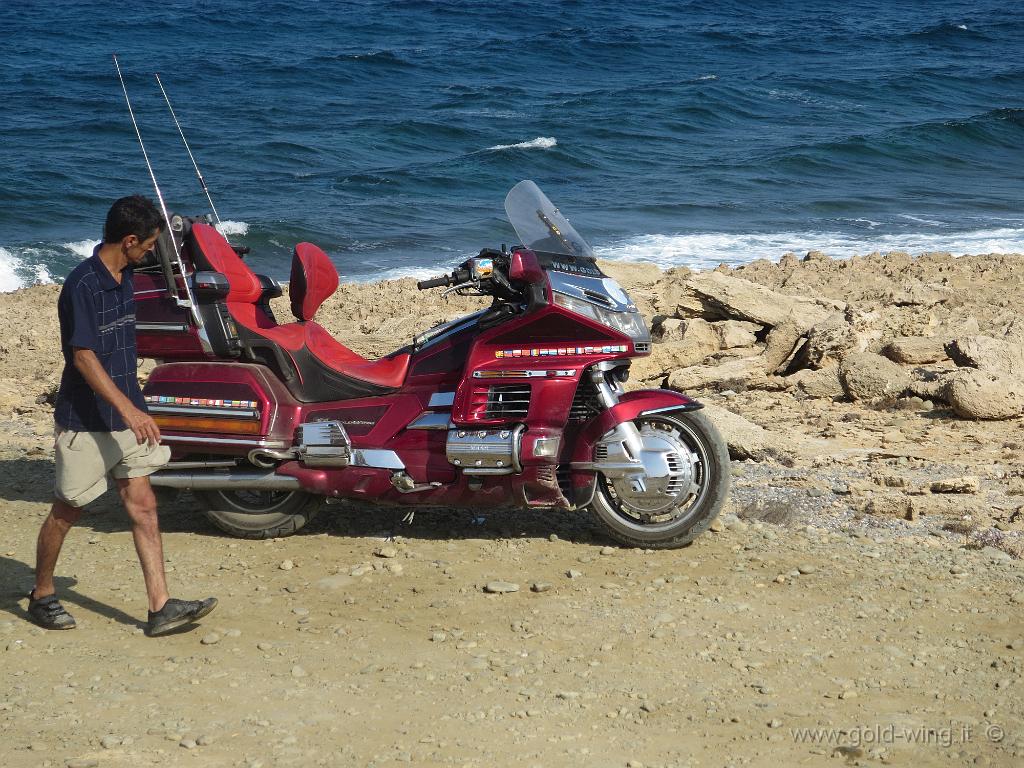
(210, 247)
(313, 280)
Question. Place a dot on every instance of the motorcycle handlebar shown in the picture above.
(456, 277)
(433, 282)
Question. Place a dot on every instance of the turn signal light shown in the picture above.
(207, 424)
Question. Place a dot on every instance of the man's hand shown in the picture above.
(92, 371)
(142, 425)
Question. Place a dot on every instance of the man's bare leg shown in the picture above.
(51, 538)
(140, 503)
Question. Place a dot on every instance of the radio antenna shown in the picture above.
(186, 302)
(202, 181)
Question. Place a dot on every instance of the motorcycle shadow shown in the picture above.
(436, 523)
(31, 480)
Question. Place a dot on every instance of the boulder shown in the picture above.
(747, 440)
(696, 332)
(823, 383)
(828, 342)
(733, 298)
(740, 371)
(913, 293)
(867, 376)
(915, 350)
(988, 354)
(780, 344)
(736, 333)
(976, 394)
(890, 505)
(667, 357)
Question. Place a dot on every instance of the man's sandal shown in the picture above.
(48, 613)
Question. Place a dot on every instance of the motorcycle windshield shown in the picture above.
(540, 225)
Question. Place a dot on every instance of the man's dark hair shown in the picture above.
(134, 215)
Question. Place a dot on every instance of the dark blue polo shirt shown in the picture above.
(97, 313)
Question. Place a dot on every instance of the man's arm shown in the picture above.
(139, 422)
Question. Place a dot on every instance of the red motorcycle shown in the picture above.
(519, 403)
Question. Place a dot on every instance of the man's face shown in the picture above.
(135, 250)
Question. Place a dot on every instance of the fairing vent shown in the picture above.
(598, 298)
(508, 401)
(585, 404)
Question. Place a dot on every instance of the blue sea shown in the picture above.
(685, 133)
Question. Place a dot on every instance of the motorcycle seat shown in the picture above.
(323, 367)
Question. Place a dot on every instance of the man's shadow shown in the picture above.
(16, 579)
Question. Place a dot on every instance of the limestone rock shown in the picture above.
(968, 484)
(780, 344)
(988, 354)
(975, 394)
(867, 376)
(696, 332)
(736, 333)
(824, 383)
(725, 297)
(747, 440)
(828, 342)
(915, 350)
(743, 371)
(913, 293)
(667, 357)
(890, 505)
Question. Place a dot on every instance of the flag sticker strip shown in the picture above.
(202, 402)
(562, 351)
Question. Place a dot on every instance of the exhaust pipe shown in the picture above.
(225, 481)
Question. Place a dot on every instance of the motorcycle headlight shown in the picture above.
(629, 323)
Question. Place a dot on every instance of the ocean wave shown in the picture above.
(948, 31)
(541, 142)
(82, 248)
(16, 272)
(709, 249)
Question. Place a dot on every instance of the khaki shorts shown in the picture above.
(85, 459)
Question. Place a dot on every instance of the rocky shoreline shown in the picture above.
(866, 574)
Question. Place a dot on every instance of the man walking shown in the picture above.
(102, 425)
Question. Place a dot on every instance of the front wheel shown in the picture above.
(665, 512)
(258, 514)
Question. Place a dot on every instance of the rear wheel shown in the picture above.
(259, 514)
(670, 511)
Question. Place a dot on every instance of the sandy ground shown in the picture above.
(810, 628)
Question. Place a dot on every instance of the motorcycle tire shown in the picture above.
(687, 519)
(259, 514)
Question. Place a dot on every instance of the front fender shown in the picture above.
(631, 405)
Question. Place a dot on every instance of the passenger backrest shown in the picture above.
(313, 280)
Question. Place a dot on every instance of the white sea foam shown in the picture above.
(9, 279)
(709, 249)
(541, 142)
(82, 248)
(233, 228)
(17, 271)
(919, 220)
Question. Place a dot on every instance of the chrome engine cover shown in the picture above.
(485, 451)
(651, 469)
